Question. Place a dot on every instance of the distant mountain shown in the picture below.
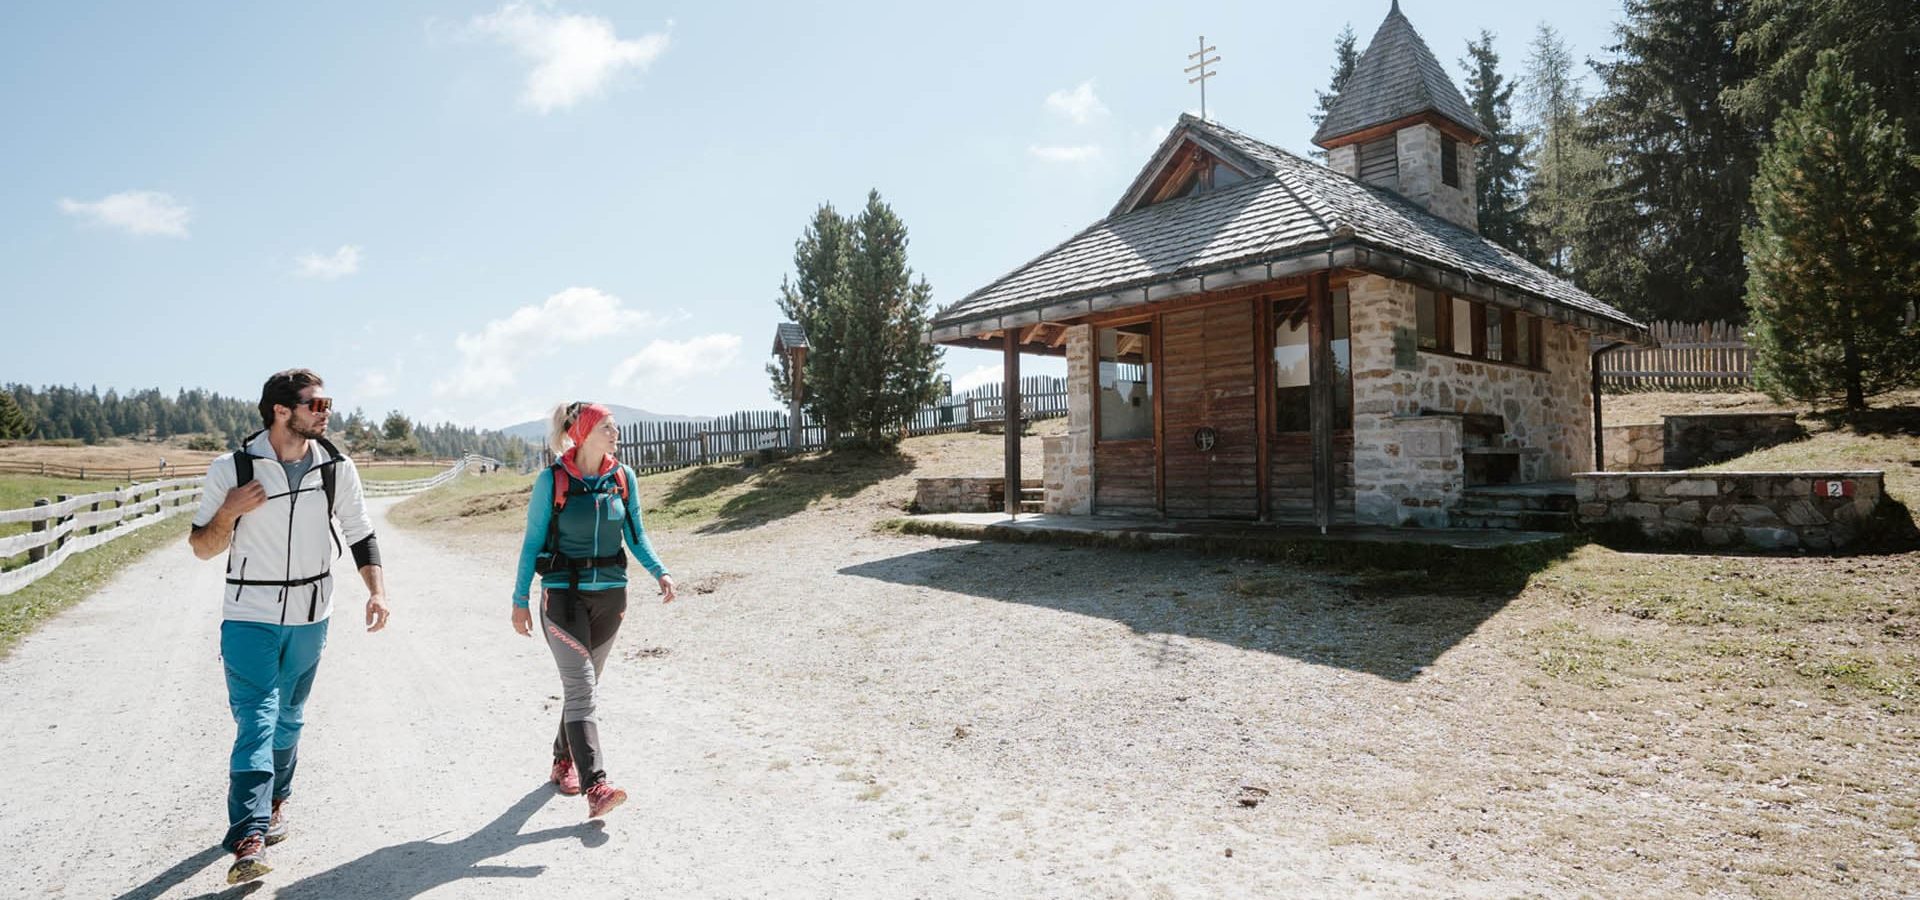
(536, 431)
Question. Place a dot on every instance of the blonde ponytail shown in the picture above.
(557, 425)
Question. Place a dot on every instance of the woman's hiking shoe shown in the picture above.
(249, 860)
(277, 826)
(602, 798)
(565, 777)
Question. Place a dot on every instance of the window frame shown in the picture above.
(1477, 322)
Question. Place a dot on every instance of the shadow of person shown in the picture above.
(181, 871)
(416, 867)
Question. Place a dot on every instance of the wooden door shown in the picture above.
(1208, 357)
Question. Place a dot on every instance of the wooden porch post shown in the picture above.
(799, 370)
(1320, 339)
(1011, 410)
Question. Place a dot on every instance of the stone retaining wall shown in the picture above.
(1635, 448)
(949, 495)
(1702, 440)
(1763, 510)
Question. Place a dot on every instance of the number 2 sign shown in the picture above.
(1833, 488)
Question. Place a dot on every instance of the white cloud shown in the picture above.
(1084, 153)
(573, 56)
(341, 263)
(1078, 104)
(135, 212)
(663, 363)
(979, 377)
(492, 359)
(373, 386)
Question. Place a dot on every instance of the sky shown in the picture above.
(468, 211)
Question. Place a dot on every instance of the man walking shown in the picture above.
(271, 506)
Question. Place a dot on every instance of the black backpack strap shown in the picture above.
(327, 477)
(243, 468)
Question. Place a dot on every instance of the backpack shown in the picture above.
(243, 473)
(550, 556)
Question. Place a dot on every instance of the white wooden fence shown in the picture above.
(73, 524)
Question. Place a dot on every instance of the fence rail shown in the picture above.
(1691, 356)
(58, 526)
(664, 446)
(153, 473)
(416, 485)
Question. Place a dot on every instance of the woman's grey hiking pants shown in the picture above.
(579, 627)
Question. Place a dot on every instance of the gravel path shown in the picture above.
(830, 712)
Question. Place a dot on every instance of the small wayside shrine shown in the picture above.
(1251, 335)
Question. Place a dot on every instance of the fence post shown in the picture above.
(95, 527)
(703, 448)
(39, 553)
(61, 541)
(120, 506)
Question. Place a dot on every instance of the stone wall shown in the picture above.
(1763, 510)
(1418, 147)
(952, 495)
(1634, 448)
(1547, 410)
(1700, 440)
(1069, 457)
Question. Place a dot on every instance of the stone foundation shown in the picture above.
(1761, 510)
(952, 495)
(1069, 457)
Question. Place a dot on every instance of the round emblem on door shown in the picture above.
(1204, 438)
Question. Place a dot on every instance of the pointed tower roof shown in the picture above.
(1396, 78)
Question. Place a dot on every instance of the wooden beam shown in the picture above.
(1011, 403)
(1028, 333)
(1446, 126)
(1319, 338)
(1263, 403)
(1058, 340)
(1158, 365)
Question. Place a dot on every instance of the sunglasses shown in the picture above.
(319, 405)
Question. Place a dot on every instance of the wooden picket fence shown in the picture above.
(1691, 356)
(69, 525)
(664, 446)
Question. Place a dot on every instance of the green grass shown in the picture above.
(19, 491)
(81, 575)
(399, 473)
(496, 501)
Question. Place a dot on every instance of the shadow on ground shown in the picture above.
(1391, 623)
(1890, 420)
(780, 490)
(416, 867)
(187, 868)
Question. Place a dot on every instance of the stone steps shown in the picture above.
(1547, 506)
(1511, 519)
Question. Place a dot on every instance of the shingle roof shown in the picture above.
(1395, 78)
(1298, 209)
(790, 336)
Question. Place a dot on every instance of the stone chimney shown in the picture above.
(1401, 124)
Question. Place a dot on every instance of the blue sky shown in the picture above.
(467, 211)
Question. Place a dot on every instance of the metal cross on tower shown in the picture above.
(1201, 78)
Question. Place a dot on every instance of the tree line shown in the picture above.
(1742, 160)
(211, 421)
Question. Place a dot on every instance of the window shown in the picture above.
(1449, 162)
(1523, 325)
(1380, 162)
(1426, 308)
(1293, 366)
(1126, 382)
(1462, 315)
(1224, 175)
(1496, 330)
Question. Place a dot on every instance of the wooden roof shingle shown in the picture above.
(1395, 78)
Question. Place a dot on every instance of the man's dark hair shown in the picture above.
(283, 389)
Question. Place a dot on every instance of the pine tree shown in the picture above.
(1344, 59)
(1662, 230)
(1500, 166)
(1553, 99)
(864, 314)
(1835, 249)
(1878, 41)
(13, 421)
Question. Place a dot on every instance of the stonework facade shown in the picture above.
(1418, 152)
(1634, 448)
(1407, 464)
(1069, 457)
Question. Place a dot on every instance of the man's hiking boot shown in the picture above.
(565, 778)
(277, 826)
(602, 798)
(249, 860)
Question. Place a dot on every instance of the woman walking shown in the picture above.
(584, 509)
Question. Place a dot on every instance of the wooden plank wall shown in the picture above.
(1123, 478)
(1290, 491)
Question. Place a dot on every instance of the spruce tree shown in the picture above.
(13, 421)
(1878, 41)
(1344, 59)
(1662, 230)
(821, 257)
(1552, 97)
(1835, 248)
(1499, 165)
